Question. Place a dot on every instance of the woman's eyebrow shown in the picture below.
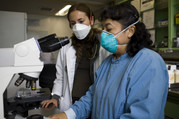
(72, 21)
(80, 19)
(107, 24)
(77, 20)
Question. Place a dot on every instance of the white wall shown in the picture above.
(12, 28)
(39, 26)
(16, 27)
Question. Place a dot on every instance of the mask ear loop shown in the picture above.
(126, 28)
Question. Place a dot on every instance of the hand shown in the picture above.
(59, 116)
(49, 103)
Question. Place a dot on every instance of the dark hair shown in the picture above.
(91, 41)
(126, 14)
(81, 7)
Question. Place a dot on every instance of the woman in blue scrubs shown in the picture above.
(132, 83)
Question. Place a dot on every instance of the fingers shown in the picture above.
(46, 103)
(49, 103)
(43, 103)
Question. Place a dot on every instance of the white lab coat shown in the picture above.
(65, 66)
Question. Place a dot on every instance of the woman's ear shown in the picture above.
(131, 31)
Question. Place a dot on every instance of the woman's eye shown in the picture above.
(108, 30)
(81, 22)
(72, 23)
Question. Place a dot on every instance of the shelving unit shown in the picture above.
(167, 12)
(173, 9)
(161, 31)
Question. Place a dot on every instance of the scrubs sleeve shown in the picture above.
(82, 108)
(147, 89)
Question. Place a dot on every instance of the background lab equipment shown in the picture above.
(28, 66)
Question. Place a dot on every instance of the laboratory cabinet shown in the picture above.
(165, 25)
(161, 24)
(160, 16)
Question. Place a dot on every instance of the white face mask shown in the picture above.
(81, 30)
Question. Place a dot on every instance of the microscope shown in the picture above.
(27, 67)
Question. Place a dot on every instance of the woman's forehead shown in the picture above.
(76, 15)
(110, 22)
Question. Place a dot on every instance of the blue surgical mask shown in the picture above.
(109, 41)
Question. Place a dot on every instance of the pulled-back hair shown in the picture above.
(126, 14)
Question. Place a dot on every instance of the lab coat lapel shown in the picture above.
(71, 61)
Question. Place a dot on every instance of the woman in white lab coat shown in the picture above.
(77, 61)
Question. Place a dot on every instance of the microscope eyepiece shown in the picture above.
(52, 43)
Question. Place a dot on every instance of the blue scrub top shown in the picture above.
(127, 88)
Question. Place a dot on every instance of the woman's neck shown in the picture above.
(120, 51)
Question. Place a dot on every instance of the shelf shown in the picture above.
(175, 48)
(168, 49)
(165, 49)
